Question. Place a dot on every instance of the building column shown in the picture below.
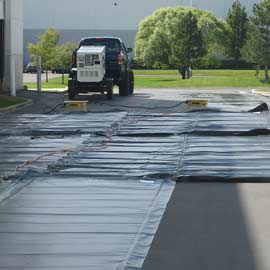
(2, 41)
(13, 44)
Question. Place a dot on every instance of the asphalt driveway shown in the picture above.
(145, 100)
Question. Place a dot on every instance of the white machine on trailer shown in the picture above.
(91, 63)
(91, 69)
(99, 64)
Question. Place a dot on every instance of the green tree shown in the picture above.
(237, 19)
(152, 34)
(63, 54)
(186, 43)
(257, 47)
(45, 47)
(177, 37)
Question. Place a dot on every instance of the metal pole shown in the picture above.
(12, 76)
(39, 74)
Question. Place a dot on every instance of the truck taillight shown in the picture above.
(74, 59)
(120, 59)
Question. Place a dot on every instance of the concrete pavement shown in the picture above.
(214, 226)
(147, 100)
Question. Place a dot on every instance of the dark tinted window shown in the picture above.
(124, 47)
(111, 44)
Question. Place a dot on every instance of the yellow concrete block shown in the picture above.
(76, 104)
(197, 102)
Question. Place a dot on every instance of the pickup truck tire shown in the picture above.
(71, 96)
(71, 90)
(124, 85)
(110, 90)
(131, 82)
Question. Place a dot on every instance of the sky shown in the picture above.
(107, 14)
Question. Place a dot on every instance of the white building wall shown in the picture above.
(1, 9)
(121, 18)
(104, 14)
(13, 42)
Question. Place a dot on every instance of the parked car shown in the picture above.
(98, 64)
(60, 70)
(30, 68)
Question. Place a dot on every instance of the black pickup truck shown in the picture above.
(117, 68)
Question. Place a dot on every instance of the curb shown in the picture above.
(18, 106)
(49, 90)
(261, 93)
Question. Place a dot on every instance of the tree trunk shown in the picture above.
(47, 78)
(1, 85)
(183, 72)
(266, 70)
(236, 63)
(188, 74)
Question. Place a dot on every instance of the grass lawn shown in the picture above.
(156, 72)
(228, 73)
(214, 72)
(6, 101)
(214, 81)
(54, 83)
(201, 78)
(171, 78)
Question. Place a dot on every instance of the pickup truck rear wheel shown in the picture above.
(110, 90)
(71, 89)
(124, 85)
(131, 82)
(71, 95)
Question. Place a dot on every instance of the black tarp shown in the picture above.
(80, 223)
(99, 205)
(182, 146)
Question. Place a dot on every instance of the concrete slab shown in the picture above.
(214, 226)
